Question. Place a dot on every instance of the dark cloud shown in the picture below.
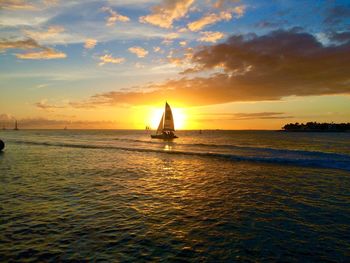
(337, 14)
(270, 24)
(340, 37)
(254, 68)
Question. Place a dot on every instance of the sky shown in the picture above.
(220, 64)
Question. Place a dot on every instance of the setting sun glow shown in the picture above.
(178, 114)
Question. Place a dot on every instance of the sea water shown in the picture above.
(215, 196)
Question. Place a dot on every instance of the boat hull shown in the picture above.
(164, 136)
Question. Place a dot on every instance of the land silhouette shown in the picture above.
(317, 127)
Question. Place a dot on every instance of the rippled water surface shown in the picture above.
(219, 196)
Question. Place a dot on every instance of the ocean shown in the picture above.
(215, 196)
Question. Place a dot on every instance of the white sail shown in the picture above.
(168, 119)
(160, 126)
(166, 126)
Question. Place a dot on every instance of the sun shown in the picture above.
(178, 114)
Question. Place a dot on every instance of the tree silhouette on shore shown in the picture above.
(315, 126)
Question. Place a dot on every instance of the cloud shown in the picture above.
(213, 18)
(18, 44)
(270, 24)
(172, 35)
(51, 2)
(4, 117)
(35, 51)
(209, 36)
(45, 53)
(167, 12)
(156, 49)
(239, 10)
(337, 14)
(44, 123)
(243, 116)
(183, 57)
(183, 43)
(43, 105)
(114, 16)
(221, 4)
(90, 43)
(255, 116)
(254, 68)
(138, 51)
(16, 5)
(51, 32)
(208, 20)
(340, 36)
(169, 38)
(105, 59)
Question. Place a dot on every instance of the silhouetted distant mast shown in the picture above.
(65, 128)
(16, 126)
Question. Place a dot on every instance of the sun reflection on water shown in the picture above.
(168, 147)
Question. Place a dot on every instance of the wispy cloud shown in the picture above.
(16, 5)
(109, 59)
(90, 43)
(138, 51)
(45, 53)
(114, 16)
(6, 117)
(243, 116)
(213, 18)
(52, 31)
(156, 49)
(208, 20)
(45, 123)
(167, 12)
(256, 115)
(209, 36)
(18, 44)
(43, 105)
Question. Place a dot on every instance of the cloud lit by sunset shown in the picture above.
(220, 64)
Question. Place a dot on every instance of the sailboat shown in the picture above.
(16, 126)
(166, 127)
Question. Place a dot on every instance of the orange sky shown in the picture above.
(220, 64)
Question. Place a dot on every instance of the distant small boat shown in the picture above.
(65, 128)
(166, 127)
(16, 126)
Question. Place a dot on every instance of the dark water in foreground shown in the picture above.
(214, 197)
